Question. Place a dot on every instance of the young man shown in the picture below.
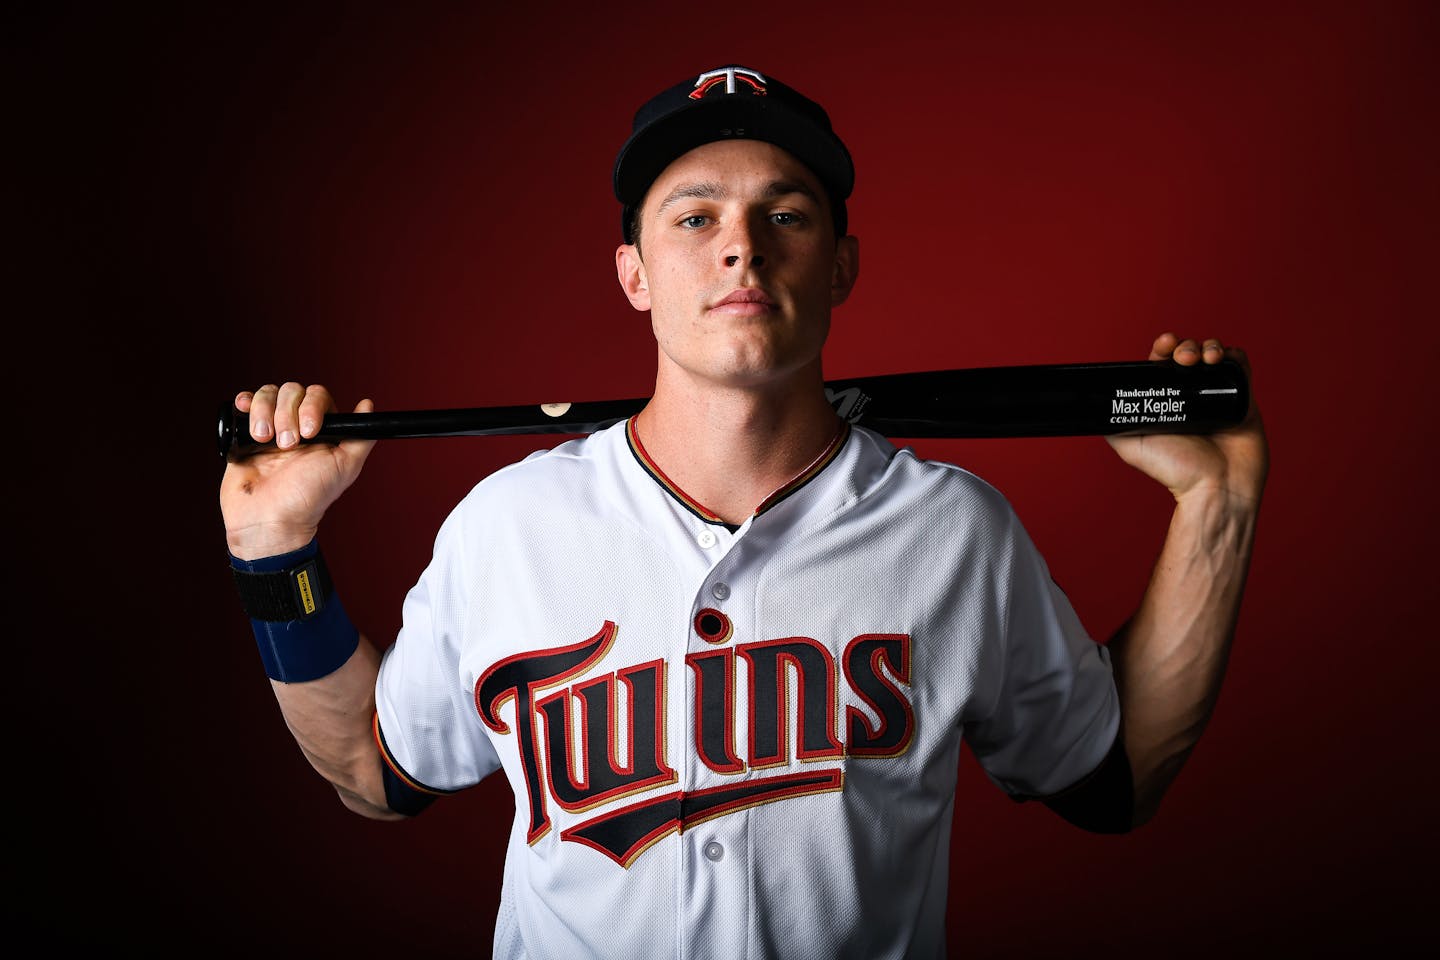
(726, 653)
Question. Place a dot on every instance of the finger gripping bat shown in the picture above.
(1037, 400)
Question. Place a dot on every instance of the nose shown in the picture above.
(743, 245)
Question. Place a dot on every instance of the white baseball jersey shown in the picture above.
(736, 743)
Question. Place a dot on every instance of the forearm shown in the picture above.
(322, 669)
(1170, 657)
(330, 719)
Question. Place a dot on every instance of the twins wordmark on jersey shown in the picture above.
(593, 759)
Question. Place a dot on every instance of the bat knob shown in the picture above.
(233, 433)
(226, 429)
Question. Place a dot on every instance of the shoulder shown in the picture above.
(563, 464)
(548, 482)
(935, 488)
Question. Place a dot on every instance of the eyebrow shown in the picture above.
(705, 190)
(710, 190)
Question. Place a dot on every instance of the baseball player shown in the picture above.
(726, 652)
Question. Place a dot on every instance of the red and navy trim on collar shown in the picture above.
(642, 457)
(815, 467)
(810, 472)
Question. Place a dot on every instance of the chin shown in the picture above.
(745, 361)
(752, 371)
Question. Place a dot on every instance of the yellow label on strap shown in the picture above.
(307, 596)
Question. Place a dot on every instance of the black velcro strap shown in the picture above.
(298, 593)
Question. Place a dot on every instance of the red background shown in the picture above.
(416, 207)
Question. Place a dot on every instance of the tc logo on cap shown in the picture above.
(711, 78)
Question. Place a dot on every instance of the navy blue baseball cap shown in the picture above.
(730, 103)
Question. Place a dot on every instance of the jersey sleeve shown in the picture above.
(1053, 710)
(426, 723)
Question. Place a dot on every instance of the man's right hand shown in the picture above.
(272, 501)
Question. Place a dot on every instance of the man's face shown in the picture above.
(740, 264)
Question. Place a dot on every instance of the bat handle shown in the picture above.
(233, 435)
(234, 441)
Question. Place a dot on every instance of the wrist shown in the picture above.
(1217, 499)
(267, 540)
(301, 629)
(1215, 521)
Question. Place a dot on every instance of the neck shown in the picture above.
(730, 447)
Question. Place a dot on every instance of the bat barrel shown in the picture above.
(1054, 400)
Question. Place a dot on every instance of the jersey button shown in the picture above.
(720, 591)
(714, 851)
(706, 538)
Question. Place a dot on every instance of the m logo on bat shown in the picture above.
(849, 403)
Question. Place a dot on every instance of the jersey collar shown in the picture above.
(812, 470)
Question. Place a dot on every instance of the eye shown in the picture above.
(786, 218)
(695, 221)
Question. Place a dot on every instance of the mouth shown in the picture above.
(745, 302)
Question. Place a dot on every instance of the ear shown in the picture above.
(631, 271)
(847, 269)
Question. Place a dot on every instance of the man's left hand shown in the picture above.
(1231, 462)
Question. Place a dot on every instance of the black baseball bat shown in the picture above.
(1036, 400)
